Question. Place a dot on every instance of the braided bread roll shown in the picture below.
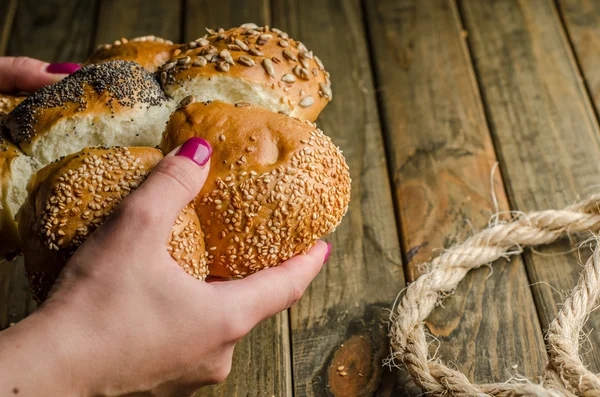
(276, 184)
(71, 198)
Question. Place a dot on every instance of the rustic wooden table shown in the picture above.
(428, 96)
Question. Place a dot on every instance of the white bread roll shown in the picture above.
(149, 51)
(15, 170)
(276, 184)
(116, 103)
(72, 197)
(250, 64)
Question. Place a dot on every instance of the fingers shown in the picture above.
(18, 74)
(175, 181)
(270, 291)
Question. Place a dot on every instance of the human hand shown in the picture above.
(125, 319)
(18, 74)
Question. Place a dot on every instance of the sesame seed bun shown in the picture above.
(15, 170)
(148, 51)
(250, 64)
(276, 184)
(116, 103)
(72, 197)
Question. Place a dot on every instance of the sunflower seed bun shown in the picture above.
(115, 103)
(8, 103)
(149, 51)
(15, 170)
(250, 64)
(276, 184)
(72, 197)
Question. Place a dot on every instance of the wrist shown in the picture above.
(38, 358)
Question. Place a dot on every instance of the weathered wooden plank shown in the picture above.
(582, 21)
(8, 9)
(54, 30)
(544, 128)
(442, 157)
(200, 14)
(133, 18)
(341, 321)
(261, 362)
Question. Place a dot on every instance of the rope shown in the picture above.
(565, 374)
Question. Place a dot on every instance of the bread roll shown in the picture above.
(149, 51)
(70, 198)
(116, 103)
(250, 64)
(276, 184)
(15, 170)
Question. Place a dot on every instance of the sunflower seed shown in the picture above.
(306, 54)
(284, 35)
(268, 65)
(227, 57)
(199, 62)
(276, 60)
(234, 47)
(307, 101)
(202, 41)
(319, 63)
(284, 43)
(215, 58)
(183, 61)
(289, 55)
(326, 90)
(249, 25)
(304, 62)
(169, 65)
(222, 67)
(208, 57)
(301, 46)
(286, 112)
(242, 105)
(241, 44)
(255, 52)
(210, 31)
(246, 61)
(186, 101)
(288, 78)
(302, 93)
(301, 72)
(192, 44)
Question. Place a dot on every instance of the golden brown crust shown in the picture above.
(149, 51)
(70, 198)
(8, 103)
(263, 56)
(276, 184)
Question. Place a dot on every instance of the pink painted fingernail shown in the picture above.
(328, 252)
(196, 149)
(62, 68)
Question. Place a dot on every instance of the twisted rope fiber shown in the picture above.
(565, 374)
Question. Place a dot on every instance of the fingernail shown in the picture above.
(328, 252)
(197, 150)
(62, 68)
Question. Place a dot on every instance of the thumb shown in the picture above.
(270, 291)
(174, 182)
(19, 74)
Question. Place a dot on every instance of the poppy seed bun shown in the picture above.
(116, 103)
(72, 197)
(15, 170)
(250, 64)
(276, 184)
(149, 51)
